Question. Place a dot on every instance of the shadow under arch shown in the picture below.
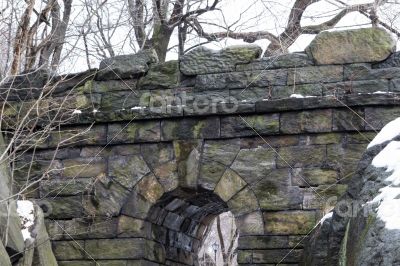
(174, 225)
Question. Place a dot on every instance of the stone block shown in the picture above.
(127, 170)
(229, 184)
(136, 206)
(301, 156)
(320, 74)
(136, 132)
(250, 224)
(351, 46)
(62, 207)
(239, 126)
(126, 66)
(107, 199)
(203, 60)
(281, 92)
(348, 120)
(250, 94)
(109, 86)
(263, 242)
(345, 157)
(321, 139)
(243, 202)
(289, 222)
(273, 191)
(392, 61)
(315, 121)
(123, 100)
(150, 188)
(69, 250)
(281, 61)
(78, 136)
(377, 117)
(304, 177)
(162, 75)
(84, 167)
(254, 164)
(240, 80)
(132, 227)
(274, 256)
(190, 128)
(187, 155)
(64, 187)
(356, 87)
(365, 72)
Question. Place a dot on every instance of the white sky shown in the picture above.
(250, 15)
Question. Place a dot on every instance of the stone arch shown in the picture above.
(171, 212)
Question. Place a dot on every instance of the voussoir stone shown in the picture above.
(204, 60)
(351, 46)
(126, 66)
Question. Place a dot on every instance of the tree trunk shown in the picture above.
(160, 41)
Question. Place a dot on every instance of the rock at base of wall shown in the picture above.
(351, 46)
(126, 66)
(4, 259)
(203, 60)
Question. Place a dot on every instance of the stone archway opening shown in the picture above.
(184, 221)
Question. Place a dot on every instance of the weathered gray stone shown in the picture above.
(238, 126)
(69, 250)
(237, 80)
(275, 256)
(356, 87)
(187, 155)
(250, 224)
(345, 157)
(364, 72)
(289, 222)
(313, 177)
(320, 74)
(229, 184)
(254, 164)
(61, 207)
(301, 156)
(126, 66)
(243, 202)
(190, 128)
(127, 170)
(351, 46)
(84, 167)
(217, 156)
(203, 60)
(280, 61)
(280, 92)
(348, 120)
(4, 259)
(163, 75)
(306, 121)
(64, 187)
(135, 132)
(377, 117)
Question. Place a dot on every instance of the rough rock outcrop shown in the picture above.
(126, 66)
(351, 46)
(38, 250)
(10, 225)
(203, 60)
(365, 226)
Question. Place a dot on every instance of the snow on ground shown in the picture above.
(390, 131)
(26, 212)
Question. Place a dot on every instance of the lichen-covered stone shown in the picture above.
(126, 66)
(163, 75)
(301, 156)
(203, 60)
(250, 224)
(289, 222)
(238, 126)
(254, 164)
(243, 202)
(217, 156)
(313, 176)
(127, 170)
(135, 132)
(190, 128)
(229, 184)
(351, 46)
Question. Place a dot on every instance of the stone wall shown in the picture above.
(162, 148)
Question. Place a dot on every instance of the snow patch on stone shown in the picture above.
(25, 211)
(76, 111)
(296, 96)
(388, 132)
(326, 216)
